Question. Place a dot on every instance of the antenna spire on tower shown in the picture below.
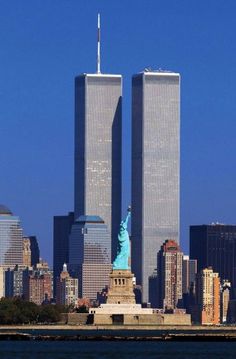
(99, 45)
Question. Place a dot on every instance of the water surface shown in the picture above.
(116, 350)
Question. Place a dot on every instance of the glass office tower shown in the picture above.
(61, 231)
(11, 238)
(155, 169)
(214, 245)
(98, 148)
(90, 255)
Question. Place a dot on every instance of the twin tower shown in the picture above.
(155, 160)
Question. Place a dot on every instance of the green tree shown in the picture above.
(49, 314)
(28, 311)
(17, 311)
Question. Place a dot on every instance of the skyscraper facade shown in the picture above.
(14, 281)
(61, 231)
(11, 238)
(169, 269)
(26, 252)
(37, 287)
(214, 245)
(224, 301)
(189, 272)
(2, 281)
(34, 248)
(208, 296)
(90, 255)
(155, 168)
(67, 288)
(98, 148)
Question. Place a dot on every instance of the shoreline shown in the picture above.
(118, 327)
(116, 333)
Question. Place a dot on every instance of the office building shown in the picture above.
(26, 252)
(42, 266)
(224, 301)
(37, 287)
(3, 285)
(90, 255)
(208, 296)
(98, 148)
(34, 248)
(214, 245)
(67, 288)
(14, 281)
(2, 282)
(61, 231)
(169, 269)
(189, 272)
(30, 251)
(11, 238)
(155, 168)
(153, 291)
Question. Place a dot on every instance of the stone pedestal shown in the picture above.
(121, 289)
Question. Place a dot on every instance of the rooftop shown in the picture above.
(4, 210)
(99, 75)
(90, 219)
(148, 71)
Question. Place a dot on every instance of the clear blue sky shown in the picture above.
(45, 44)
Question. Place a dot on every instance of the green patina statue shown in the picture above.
(123, 250)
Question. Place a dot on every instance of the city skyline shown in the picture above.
(42, 55)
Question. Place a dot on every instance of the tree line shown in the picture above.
(18, 311)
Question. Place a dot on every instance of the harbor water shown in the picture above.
(116, 350)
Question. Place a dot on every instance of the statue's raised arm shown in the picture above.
(123, 248)
(125, 223)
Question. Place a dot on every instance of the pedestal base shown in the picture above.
(121, 289)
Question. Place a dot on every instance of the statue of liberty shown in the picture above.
(123, 249)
